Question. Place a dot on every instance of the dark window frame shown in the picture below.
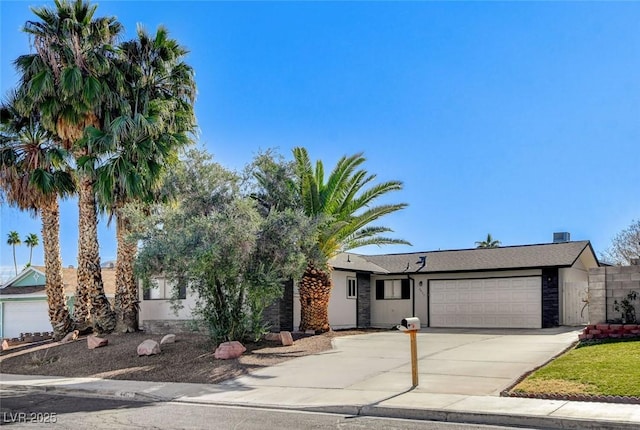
(355, 288)
(405, 292)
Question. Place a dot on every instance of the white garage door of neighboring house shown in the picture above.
(495, 302)
(25, 317)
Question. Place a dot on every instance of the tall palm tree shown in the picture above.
(31, 241)
(70, 82)
(32, 176)
(153, 122)
(489, 242)
(342, 207)
(13, 239)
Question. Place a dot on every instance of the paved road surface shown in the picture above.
(29, 410)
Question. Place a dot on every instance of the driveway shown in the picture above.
(451, 361)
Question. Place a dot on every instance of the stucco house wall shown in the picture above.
(157, 314)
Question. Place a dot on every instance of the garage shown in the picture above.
(514, 302)
(24, 316)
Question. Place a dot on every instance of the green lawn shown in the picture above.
(601, 369)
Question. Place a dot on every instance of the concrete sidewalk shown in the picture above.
(461, 375)
(532, 413)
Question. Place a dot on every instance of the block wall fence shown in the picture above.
(608, 284)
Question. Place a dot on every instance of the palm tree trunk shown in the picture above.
(58, 312)
(90, 297)
(126, 303)
(15, 263)
(315, 291)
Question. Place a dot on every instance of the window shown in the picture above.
(161, 289)
(393, 289)
(352, 288)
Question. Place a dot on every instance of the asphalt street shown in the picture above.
(33, 410)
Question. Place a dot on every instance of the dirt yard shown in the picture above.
(190, 359)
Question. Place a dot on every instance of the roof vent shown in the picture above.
(635, 261)
(561, 237)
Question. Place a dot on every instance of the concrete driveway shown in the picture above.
(451, 361)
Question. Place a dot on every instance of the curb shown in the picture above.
(463, 417)
(528, 421)
(120, 395)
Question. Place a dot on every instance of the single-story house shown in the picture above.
(23, 300)
(528, 286)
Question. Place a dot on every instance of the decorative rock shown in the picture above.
(228, 350)
(170, 338)
(94, 341)
(70, 337)
(272, 337)
(285, 338)
(149, 347)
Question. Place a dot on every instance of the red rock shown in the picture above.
(228, 350)
(602, 327)
(615, 326)
(594, 332)
(94, 341)
(285, 338)
(149, 347)
(615, 335)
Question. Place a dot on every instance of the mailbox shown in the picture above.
(411, 323)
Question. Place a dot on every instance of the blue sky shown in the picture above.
(511, 118)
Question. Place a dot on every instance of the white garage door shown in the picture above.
(495, 302)
(25, 317)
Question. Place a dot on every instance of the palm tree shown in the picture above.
(154, 121)
(489, 242)
(342, 208)
(31, 241)
(32, 176)
(13, 239)
(69, 81)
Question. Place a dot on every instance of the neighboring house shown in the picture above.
(23, 300)
(529, 286)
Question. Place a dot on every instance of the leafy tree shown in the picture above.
(625, 246)
(32, 176)
(215, 240)
(31, 241)
(341, 207)
(154, 120)
(71, 83)
(489, 242)
(13, 239)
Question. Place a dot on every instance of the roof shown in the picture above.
(478, 259)
(69, 278)
(355, 262)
